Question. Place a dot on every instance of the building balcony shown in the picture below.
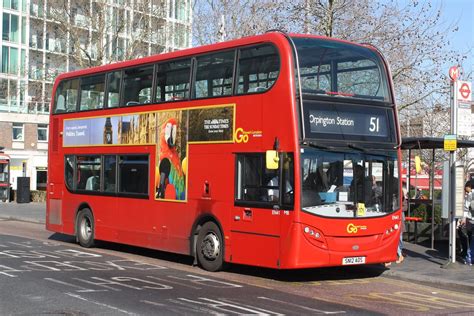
(31, 107)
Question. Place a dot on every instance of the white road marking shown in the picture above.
(80, 288)
(229, 308)
(152, 303)
(100, 304)
(173, 282)
(206, 281)
(301, 306)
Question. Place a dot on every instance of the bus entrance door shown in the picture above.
(256, 236)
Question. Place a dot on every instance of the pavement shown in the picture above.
(27, 212)
(422, 264)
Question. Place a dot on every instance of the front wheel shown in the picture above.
(210, 247)
(85, 228)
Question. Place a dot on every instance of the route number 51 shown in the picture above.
(374, 124)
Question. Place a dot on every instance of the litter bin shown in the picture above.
(23, 190)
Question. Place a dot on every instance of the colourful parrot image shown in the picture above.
(172, 182)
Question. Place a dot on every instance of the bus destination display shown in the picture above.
(348, 123)
(355, 123)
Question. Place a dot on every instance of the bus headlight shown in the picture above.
(314, 236)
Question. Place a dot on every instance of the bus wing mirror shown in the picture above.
(272, 159)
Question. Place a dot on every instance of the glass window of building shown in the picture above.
(11, 4)
(42, 132)
(6, 27)
(13, 60)
(23, 30)
(17, 132)
(5, 58)
(11, 27)
(9, 60)
(3, 93)
(41, 178)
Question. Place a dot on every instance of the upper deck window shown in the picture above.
(113, 90)
(66, 96)
(172, 80)
(258, 69)
(341, 70)
(214, 75)
(137, 85)
(92, 92)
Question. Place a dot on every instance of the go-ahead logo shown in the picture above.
(353, 229)
(242, 136)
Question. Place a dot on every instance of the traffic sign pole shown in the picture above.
(452, 188)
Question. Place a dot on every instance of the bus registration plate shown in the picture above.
(353, 260)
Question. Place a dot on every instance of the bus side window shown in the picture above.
(133, 174)
(257, 184)
(66, 96)
(60, 104)
(69, 166)
(258, 69)
(172, 80)
(113, 90)
(92, 92)
(137, 83)
(88, 173)
(214, 75)
(110, 166)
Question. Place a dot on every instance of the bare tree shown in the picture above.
(411, 35)
(235, 18)
(96, 32)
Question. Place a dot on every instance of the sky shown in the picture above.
(462, 13)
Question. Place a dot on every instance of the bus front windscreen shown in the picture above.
(348, 185)
(341, 70)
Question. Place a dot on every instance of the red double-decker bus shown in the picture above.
(274, 150)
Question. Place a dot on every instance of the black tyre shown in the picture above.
(210, 247)
(85, 228)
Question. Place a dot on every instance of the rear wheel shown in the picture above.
(210, 247)
(85, 228)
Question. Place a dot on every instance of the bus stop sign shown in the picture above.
(453, 73)
(464, 91)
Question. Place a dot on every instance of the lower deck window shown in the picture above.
(133, 172)
(99, 174)
(88, 173)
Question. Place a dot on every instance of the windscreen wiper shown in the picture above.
(313, 145)
(356, 147)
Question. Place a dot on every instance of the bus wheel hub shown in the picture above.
(210, 246)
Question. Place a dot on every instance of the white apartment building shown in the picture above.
(43, 38)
